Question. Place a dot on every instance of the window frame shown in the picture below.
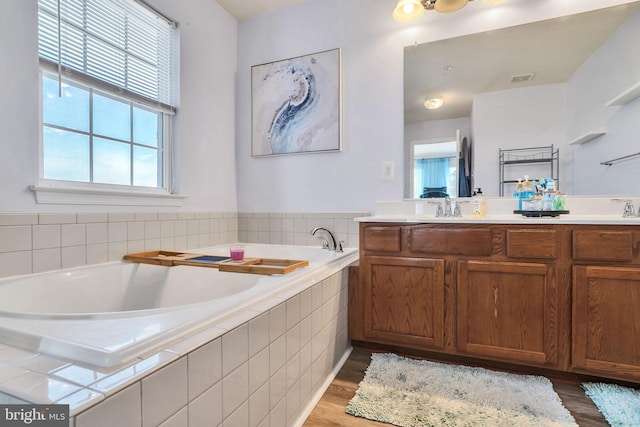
(77, 192)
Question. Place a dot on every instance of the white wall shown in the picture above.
(19, 104)
(614, 70)
(517, 118)
(204, 132)
(372, 47)
(437, 129)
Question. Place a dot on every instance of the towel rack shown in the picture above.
(612, 161)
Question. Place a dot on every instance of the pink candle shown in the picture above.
(237, 254)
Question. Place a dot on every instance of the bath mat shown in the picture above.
(412, 393)
(619, 405)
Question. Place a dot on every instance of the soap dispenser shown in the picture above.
(478, 204)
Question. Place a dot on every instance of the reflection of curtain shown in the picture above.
(434, 172)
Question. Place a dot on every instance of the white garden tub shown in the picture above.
(108, 314)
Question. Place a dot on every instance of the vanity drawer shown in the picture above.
(531, 244)
(602, 245)
(382, 239)
(449, 241)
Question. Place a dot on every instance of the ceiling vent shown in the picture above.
(521, 78)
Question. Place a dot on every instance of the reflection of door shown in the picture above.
(434, 167)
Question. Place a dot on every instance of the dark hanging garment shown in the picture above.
(464, 171)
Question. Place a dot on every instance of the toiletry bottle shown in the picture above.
(518, 193)
(478, 204)
(527, 188)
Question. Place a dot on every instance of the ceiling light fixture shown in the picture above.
(409, 10)
(433, 103)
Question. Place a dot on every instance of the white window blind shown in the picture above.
(118, 45)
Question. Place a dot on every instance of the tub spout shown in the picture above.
(325, 235)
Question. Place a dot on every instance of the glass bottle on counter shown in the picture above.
(479, 209)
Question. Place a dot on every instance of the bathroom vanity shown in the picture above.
(556, 293)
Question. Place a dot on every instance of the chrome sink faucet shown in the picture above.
(448, 210)
(629, 209)
(328, 241)
(447, 206)
(438, 208)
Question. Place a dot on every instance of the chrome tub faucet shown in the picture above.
(328, 241)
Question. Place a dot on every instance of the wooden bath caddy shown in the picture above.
(222, 263)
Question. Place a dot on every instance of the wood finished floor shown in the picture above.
(330, 410)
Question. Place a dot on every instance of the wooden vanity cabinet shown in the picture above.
(606, 302)
(467, 289)
(557, 296)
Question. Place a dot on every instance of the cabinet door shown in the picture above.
(404, 301)
(509, 311)
(606, 321)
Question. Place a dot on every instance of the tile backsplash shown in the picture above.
(294, 228)
(37, 242)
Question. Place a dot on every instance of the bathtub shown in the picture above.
(108, 314)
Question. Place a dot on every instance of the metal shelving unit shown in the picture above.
(528, 157)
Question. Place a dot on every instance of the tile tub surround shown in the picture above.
(37, 242)
(294, 228)
(264, 366)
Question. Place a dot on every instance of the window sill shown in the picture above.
(104, 196)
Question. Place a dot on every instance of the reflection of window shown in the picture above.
(108, 85)
(88, 136)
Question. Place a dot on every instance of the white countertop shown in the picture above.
(505, 219)
(602, 210)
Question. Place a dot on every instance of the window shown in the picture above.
(108, 94)
(89, 136)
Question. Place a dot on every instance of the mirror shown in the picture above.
(531, 85)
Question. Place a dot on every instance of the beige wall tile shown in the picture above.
(164, 393)
(18, 219)
(46, 260)
(205, 368)
(73, 234)
(15, 238)
(122, 409)
(46, 236)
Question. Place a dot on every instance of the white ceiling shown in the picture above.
(244, 9)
